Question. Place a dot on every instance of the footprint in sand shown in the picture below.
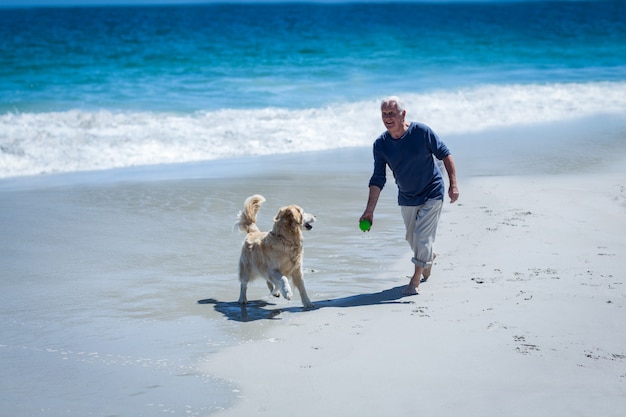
(524, 348)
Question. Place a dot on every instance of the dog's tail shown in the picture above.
(247, 216)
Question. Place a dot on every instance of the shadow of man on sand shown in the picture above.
(263, 310)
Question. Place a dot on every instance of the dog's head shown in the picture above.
(294, 217)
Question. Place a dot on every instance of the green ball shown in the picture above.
(365, 225)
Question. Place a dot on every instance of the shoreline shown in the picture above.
(587, 145)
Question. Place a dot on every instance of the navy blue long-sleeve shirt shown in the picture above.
(411, 160)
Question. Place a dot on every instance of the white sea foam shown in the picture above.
(37, 143)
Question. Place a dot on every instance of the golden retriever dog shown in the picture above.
(275, 255)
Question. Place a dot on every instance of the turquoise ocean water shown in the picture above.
(105, 87)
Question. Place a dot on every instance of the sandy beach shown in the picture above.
(524, 315)
(119, 291)
(132, 132)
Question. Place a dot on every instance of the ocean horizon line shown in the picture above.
(8, 4)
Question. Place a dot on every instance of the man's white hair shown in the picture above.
(393, 99)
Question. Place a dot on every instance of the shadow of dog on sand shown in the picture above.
(263, 310)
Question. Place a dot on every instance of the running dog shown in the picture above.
(275, 255)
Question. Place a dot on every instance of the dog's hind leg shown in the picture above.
(298, 281)
(242, 293)
(244, 277)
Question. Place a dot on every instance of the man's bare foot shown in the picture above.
(414, 283)
(428, 269)
(410, 290)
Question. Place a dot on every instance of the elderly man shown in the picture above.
(408, 150)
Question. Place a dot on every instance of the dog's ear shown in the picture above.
(298, 217)
(279, 215)
(291, 214)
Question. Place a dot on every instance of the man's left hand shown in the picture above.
(453, 193)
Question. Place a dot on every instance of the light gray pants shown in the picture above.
(421, 228)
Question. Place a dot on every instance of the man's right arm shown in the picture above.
(372, 200)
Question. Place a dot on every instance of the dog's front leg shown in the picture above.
(273, 288)
(281, 282)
